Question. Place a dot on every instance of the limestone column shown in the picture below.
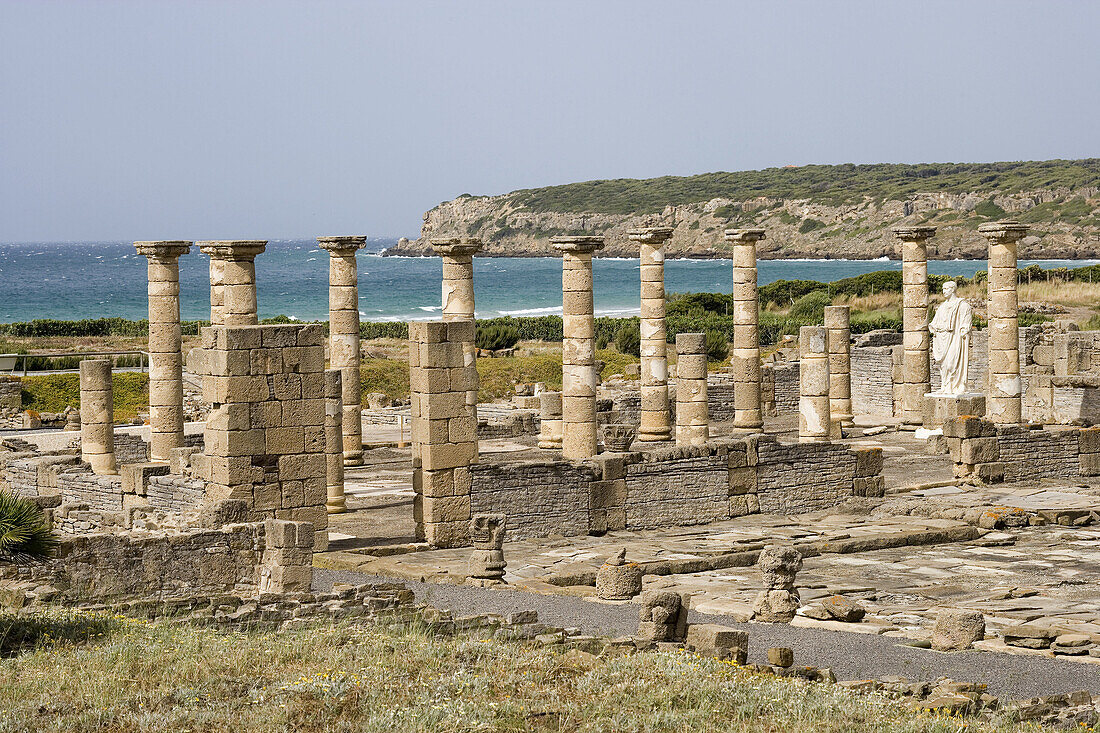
(692, 417)
(343, 336)
(233, 280)
(814, 423)
(458, 301)
(838, 337)
(916, 368)
(654, 339)
(1004, 406)
(334, 444)
(745, 356)
(165, 347)
(550, 420)
(579, 378)
(97, 416)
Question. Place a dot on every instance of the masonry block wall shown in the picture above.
(272, 556)
(540, 498)
(444, 434)
(264, 439)
(676, 486)
(993, 453)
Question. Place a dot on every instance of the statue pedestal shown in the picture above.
(939, 408)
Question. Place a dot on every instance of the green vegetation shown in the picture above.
(629, 340)
(811, 306)
(87, 673)
(388, 376)
(718, 347)
(55, 392)
(989, 210)
(828, 184)
(24, 532)
(498, 377)
(494, 337)
(809, 225)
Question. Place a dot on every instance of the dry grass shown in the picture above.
(142, 677)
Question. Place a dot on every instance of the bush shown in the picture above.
(24, 532)
(629, 340)
(718, 348)
(601, 342)
(55, 392)
(809, 225)
(496, 337)
(811, 306)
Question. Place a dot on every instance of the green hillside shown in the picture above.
(827, 184)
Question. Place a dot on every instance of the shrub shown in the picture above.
(24, 531)
(989, 210)
(601, 342)
(811, 306)
(809, 225)
(496, 337)
(628, 340)
(718, 348)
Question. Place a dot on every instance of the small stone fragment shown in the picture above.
(781, 656)
(957, 629)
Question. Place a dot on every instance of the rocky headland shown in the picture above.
(809, 211)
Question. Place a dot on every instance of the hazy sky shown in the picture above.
(191, 120)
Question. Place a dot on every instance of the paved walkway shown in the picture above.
(850, 656)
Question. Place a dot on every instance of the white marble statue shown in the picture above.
(950, 329)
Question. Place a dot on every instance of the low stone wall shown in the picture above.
(175, 493)
(786, 387)
(873, 380)
(251, 558)
(11, 393)
(995, 453)
(539, 498)
(130, 448)
(676, 486)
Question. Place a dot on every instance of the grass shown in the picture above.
(55, 392)
(136, 676)
(498, 376)
(388, 376)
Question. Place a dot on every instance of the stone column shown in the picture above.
(692, 418)
(1005, 406)
(916, 368)
(550, 420)
(458, 301)
(579, 378)
(233, 280)
(814, 424)
(745, 352)
(97, 416)
(343, 336)
(334, 443)
(165, 347)
(654, 339)
(837, 318)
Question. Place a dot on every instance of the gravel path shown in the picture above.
(849, 655)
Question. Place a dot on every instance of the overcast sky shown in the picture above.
(191, 120)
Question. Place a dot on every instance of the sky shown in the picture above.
(223, 120)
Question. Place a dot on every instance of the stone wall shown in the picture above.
(264, 438)
(249, 558)
(994, 453)
(873, 380)
(676, 486)
(11, 393)
(786, 387)
(667, 490)
(539, 498)
(130, 448)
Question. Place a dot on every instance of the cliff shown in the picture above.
(808, 211)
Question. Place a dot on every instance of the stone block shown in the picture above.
(742, 481)
(1089, 440)
(967, 426)
(868, 461)
(744, 504)
(1090, 464)
(979, 450)
(714, 639)
(869, 486)
(957, 629)
(607, 494)
(135, 476)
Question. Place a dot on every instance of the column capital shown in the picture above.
(342, 244)
(167, 249)
(232, 249)
(914, 234)
(650, 235)
(577, 244)
(744, 235)
(1003, 231)
(456, 246)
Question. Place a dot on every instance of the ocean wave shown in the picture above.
(430, 308)
(554, 310)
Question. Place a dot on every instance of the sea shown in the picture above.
(75, 280)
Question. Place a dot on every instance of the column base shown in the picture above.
(651, 435)
(336, 506)
(353, 458)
